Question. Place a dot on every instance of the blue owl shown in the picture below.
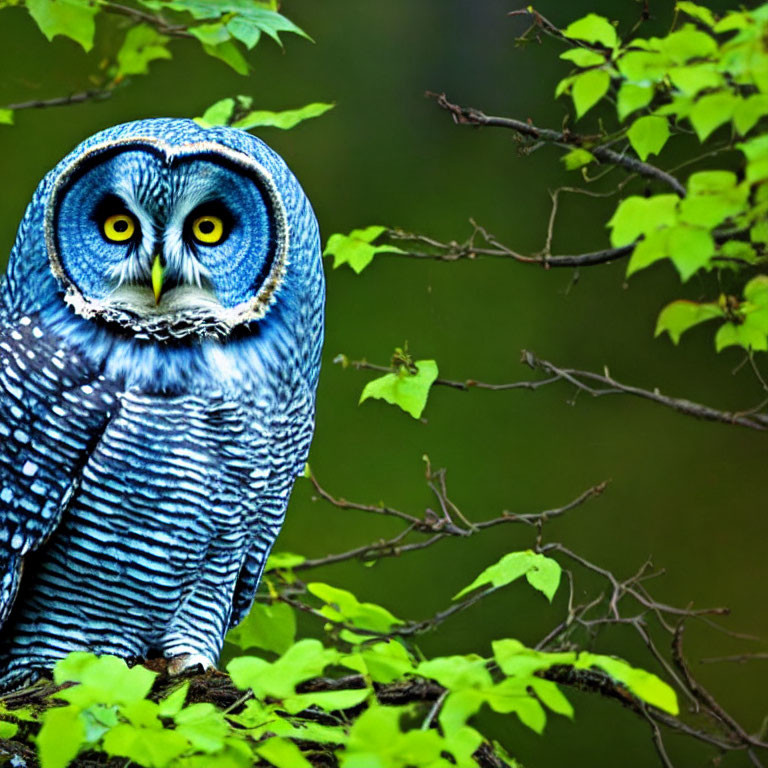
(160, 335)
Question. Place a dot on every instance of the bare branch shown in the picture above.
(607, 385)
(435, 528)
(596, 385)
(62, 101)
(566, 139)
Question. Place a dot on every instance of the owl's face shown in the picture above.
(190, 237)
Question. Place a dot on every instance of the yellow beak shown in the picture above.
(157, 278)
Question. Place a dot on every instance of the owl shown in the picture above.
(160, 334)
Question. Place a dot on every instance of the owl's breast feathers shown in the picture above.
(79, 450)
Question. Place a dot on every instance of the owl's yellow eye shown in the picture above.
(208, 229)
(119, 227)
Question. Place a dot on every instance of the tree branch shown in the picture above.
(585, 381)
(62, 101)
(566, 139)
(582, 380)
(157, 21)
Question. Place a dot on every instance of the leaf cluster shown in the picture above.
(226, 30)
(706, 74)
(305, 702)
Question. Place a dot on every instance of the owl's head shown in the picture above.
(167, 229)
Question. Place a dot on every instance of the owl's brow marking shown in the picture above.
(219, 320)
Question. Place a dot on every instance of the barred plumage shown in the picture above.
(148, 450)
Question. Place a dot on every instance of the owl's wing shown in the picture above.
(281, 457)
(53, 408)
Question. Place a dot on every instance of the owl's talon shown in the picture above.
(188, 662)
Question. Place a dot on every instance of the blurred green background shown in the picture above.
(688, 494)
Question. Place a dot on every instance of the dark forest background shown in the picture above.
(689, 494)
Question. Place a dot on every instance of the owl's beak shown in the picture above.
(157, 277)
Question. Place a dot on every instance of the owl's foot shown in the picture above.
(188, 662)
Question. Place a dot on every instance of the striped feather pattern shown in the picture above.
(143, 483)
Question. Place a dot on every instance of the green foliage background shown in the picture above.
(690, 494)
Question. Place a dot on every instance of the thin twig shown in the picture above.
(62, 101)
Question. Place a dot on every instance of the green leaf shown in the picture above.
(690, 249)
(386, 661)
(541, 572)
(245, 31)
(282, 754)
(686, 44)
(637, 216)
(403, 388)
(593, 29)
(632, 97)
(564, 85)
(588, 88)
(271, 627)
(376, 741)
(343, 606)
(229, 54)
(203, 725)
(738, 251)
(741, 335)
(6, 117)
(643, 67)
(459, 707)
(511, 695)
(283, 560)
(516, 660)
(644, 685)
(356, 249)
(462, 743)
(60, 737)
(648, 135)
(142, 713)
(733, 21)
(713, 197)
(551, 696)
(698, 12)
(577, 158)
(693, 78)
(583, 57)
(98, 720)
(711, 111)
(171, 705)
(104, 680)
(756, 152)
(679, 316)
(219, 113)
(748, 111)
(286, 119)
(305, 659)
(8, 730)
(210, 34)
(652, 248)
(457, 673)
(252, 17)
(142, 44)
(756, 291)
(147, 747)
(71, 18)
